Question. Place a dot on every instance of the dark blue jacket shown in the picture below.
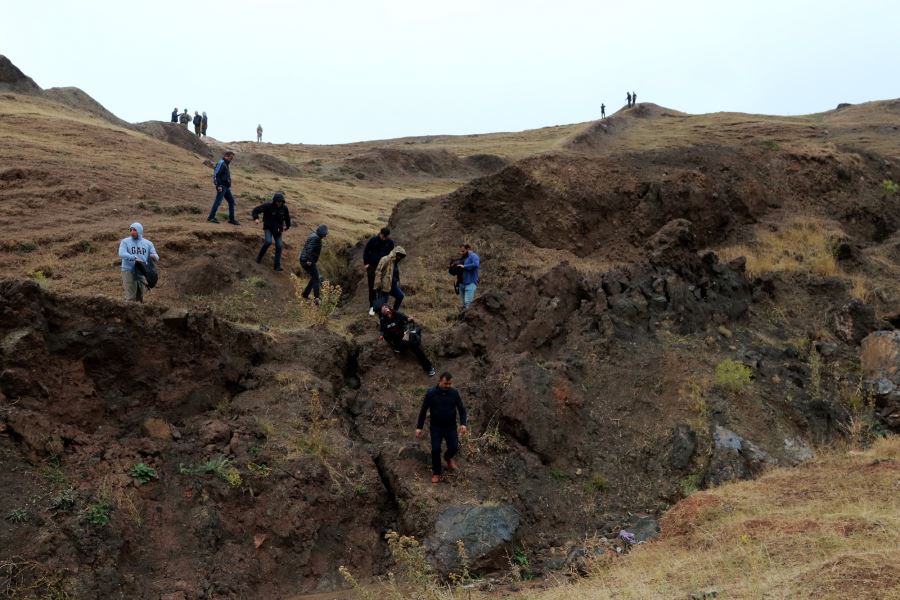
(443, 404)
(471, 266)
(313, 246)
(175, 116)
(376, 249)
(275, 218)
(222, 174)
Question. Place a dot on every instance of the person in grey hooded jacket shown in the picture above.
(135, 248)
(309, 257)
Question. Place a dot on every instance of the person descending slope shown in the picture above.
(443, 401)
(132, 250)
(387, 278)
(309, 257)
(276, 220)
(376, 248)
(222, 181)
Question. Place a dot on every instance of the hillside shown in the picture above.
(668, 303)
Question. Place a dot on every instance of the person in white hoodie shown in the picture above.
(135, 248)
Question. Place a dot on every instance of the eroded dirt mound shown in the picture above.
(397, 162)
(246, 487)
(267, 162)
(81, 101)
(14, 80)
(174, 133)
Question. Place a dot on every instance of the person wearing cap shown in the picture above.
(387, 278)
(276, 220)
(309, 257)
(133, 249)
(222, 181)
(376, 248)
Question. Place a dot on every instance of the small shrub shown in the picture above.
(142, 472)
(26, 247)
(98, 513)
(733, 376)
(559, 475)
(40, 277)
(317, 314)
(597, 483)
(17, 516)
(219, 466)
(64, 501)
(83, 247)
(233, 478)
(890, 186)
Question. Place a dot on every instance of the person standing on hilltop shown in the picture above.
(197, 121)
(135, 249)
(376, 248)
(258, 133)
(222, 181)
(309, 258)
(276, 220)
(633, 98)
(443, 401)
(628, 97)
(471, 266)
(203, 123)
(387, 278)
(184, 118)
(175, 115)
(602, 111)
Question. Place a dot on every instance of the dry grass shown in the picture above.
(829, 529)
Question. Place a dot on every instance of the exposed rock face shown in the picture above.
(484, 530)
(14, 80)
(854, 321)
(880, 361)
(734, 457)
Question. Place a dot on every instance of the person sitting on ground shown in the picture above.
(471, 267)
(133, 249)
(175, 115)
(443, 401)
(398, 331)
(276, 220)
(184, 119)
(197, 121)
(387, 278)
(376, 248)
(222, 181)
(204, 122)
(309, 257)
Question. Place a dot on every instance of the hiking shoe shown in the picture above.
(233, 222)
(213, 220)
(316, 301)
(371, 311)
(435, 479)
(451, 465)
(258, 259)
(279, 269)
(431, 372)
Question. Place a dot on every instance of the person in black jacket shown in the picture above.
(276, 220)
(309, 256)
(175, 115)
(204, 123)
(197, 121)
(444, 402)
(393, 324)
(222, 181)
(376, 248)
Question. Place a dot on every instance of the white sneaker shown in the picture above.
(371, 311)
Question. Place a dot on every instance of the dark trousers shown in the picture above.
(370, 277)
(315, 282)
(396, 292)
(417, 351)
(226, 194)
(279, 244)
(438, 435)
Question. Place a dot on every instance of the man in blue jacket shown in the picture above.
(222, 181)
(276, 220)
(175, 115)
(471, 265)
(309, 257)
(376, 248)
(135, 248)
(443, 401)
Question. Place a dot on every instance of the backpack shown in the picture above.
(148, 273)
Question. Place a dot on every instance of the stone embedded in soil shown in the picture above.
(854, 321)
(684, 443)
(484, 530)
(157, 429)
(644, 529)
(215, 432)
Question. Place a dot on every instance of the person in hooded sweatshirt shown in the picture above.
(387, 278)
(276, 220)
(309, 257)
(135, 248)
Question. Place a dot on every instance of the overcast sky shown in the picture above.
(341, 71)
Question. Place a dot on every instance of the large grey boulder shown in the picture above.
(484, 530)
(734, 458)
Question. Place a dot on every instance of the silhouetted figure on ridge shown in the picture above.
(633, 98)
(628, 97)
(175, 115)
(602, 111)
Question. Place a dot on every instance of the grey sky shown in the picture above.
(340, 71)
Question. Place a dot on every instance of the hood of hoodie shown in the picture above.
(398, 251)
(322, 230)
(139, 228)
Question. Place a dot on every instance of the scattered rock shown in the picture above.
(644, 529)
(214, 432)
(157, 429)
(734, 458)
(684, 443)
(725, 332)
(797, 451)
(854, 321)
(484, 530)
(880, 361)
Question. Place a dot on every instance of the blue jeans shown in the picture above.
(225, 193)
(396, 292)
(315, 282)
(467, 293)
(438, 435)
(279, 244)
